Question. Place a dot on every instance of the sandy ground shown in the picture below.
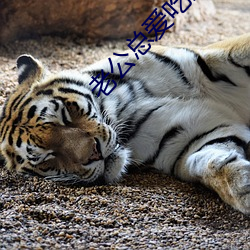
(146, 210)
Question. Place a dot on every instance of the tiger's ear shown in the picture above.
(30, 70)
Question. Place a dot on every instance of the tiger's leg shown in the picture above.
(227, 63)
(223, 168)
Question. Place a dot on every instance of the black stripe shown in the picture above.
(3, 124)
(110, 76)
(34, 158)
(3, 114)
(246, 68)
(70, 91)
(195, 139)
(94, 116)
(73, 91)
(169, 135)
(109, 137)
(113, 76)
(68, 81)
(118, 114)
(101, 105)
(132, 90)
(173, 64)
(213, 77)
(21, 131)
(31, 112)
(14, 124)
(146, 90)
(17, 101)
(10, 109)
(19, 118)
(26, 103)
(89, 109)
(3, 127)
(47, 168)
(31, 172)
(43, 111)
(132, 93)
(19, 159)
(29, 149)
(13, 128)
(2, 161)
(10, 139)
(139, 123)
(232, 138)
(232, 160)
(3, 135)
(45, 92)
(19, 142)
(64, 117)
(42, 114)
(56, 105)
(207, 71)
(60, 98)
(16, 121)
(74, 82)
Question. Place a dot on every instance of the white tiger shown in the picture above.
(184, 111)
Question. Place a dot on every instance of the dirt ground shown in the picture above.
(144, 211)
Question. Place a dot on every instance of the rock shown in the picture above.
(96, 20)
(198, 11)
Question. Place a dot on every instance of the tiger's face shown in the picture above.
(52, 126)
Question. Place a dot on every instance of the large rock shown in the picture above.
(94, 19)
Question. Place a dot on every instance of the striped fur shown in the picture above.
(181, 110)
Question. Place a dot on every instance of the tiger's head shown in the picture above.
(52, 126)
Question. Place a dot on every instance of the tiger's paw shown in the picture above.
(115, 165)
(231, 180)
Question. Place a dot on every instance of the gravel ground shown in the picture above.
(146, 210)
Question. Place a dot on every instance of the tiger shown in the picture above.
(182, 110)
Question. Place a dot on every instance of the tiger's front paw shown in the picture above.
(115, 164)
(231, 180)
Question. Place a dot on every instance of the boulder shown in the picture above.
(96, 19)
